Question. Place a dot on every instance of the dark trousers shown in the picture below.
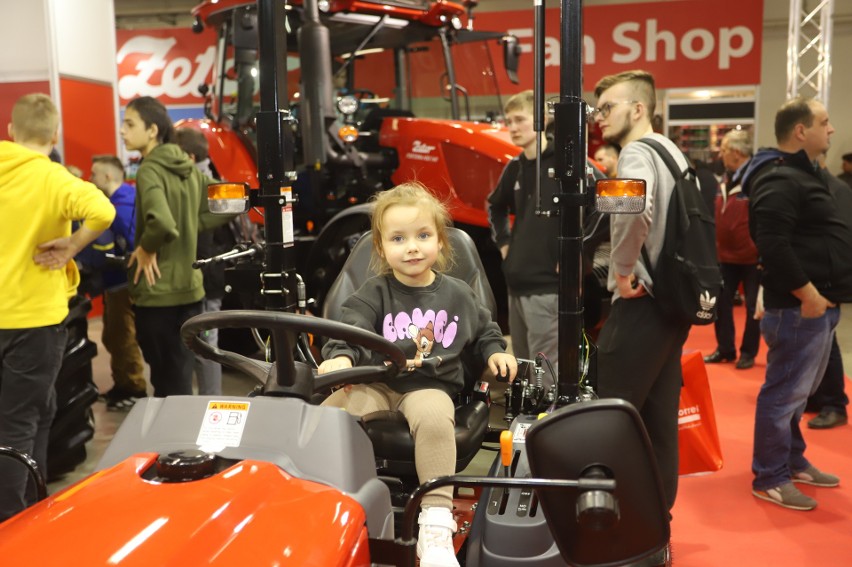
(30, 360)
(733, 274)
(158, 334)
(831, 393)
(639, 353)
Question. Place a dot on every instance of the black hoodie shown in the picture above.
(800, 227)
(530, 266)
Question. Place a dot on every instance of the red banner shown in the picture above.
(684, 43)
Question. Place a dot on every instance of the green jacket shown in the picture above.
(171, 209)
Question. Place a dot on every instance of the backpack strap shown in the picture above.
(674, 169)
(667, 157)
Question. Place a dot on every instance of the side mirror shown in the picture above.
(197, 25)
(228, 198)
(620, 195)
(511, 56)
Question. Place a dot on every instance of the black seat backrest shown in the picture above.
(467, 267)
(607, 435)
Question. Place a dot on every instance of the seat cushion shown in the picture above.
(394, 446)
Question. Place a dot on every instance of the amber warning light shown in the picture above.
(348, 134)
(620, 195)
(228, 198)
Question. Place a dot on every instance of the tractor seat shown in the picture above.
(392, 442)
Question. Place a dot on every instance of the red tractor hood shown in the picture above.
(251, 513)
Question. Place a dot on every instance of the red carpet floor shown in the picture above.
(718, 522)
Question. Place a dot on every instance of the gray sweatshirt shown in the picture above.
(629, 232)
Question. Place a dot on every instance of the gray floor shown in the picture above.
(106, 422)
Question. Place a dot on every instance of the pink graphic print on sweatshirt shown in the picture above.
(397, 327)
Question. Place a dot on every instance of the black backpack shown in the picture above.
(687, 279)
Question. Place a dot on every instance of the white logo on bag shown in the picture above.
(707, 304)
(691, 414)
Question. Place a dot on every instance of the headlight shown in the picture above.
(347, 105)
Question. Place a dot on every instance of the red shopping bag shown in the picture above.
(698, 437)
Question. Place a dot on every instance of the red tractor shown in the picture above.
(271, 479)
(379, 93)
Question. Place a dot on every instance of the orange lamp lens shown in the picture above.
(348, 133)
(227, 191)
(621, 188)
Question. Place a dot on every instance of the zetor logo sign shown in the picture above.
(683, 43)
(422, 151)
(167, 64)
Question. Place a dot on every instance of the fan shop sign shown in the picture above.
(683, 43)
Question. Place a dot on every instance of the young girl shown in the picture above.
(432, 317)
(171, 207)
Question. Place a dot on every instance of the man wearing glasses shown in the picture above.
(639, 348)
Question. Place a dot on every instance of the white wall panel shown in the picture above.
(85, 38)
(24, 41)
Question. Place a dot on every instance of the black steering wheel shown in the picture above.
(288, 377)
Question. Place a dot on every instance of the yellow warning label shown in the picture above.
(238, 406)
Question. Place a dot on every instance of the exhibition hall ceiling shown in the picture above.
(130, 14)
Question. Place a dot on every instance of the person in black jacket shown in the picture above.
(830, 399)
(530, 249)
(803, 242)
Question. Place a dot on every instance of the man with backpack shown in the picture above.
(803, 241)
(639, 348)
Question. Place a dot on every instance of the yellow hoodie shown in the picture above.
(38, 201)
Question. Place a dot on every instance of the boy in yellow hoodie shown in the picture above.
(38, 201)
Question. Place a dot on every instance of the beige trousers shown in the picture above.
(431, 419)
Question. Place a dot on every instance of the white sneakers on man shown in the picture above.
(435, 541)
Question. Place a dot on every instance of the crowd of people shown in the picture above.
(144, 241)
(784, 232)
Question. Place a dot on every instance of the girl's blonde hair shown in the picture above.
(412, 194)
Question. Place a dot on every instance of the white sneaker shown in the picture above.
(435, 540)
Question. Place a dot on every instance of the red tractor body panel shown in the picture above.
(460, 162)
(232, 153)
(228, 150)
(431, 13)
(230, 518)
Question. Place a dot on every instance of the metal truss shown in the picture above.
(809, 49)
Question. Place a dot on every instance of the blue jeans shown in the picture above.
(208, 372)
(797, 358)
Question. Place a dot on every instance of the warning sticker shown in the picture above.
(223, 425)
(289, 236)
(521, 433)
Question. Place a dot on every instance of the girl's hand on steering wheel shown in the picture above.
(336, 363)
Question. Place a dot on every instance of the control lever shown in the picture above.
(506, 451)
(239, 251)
